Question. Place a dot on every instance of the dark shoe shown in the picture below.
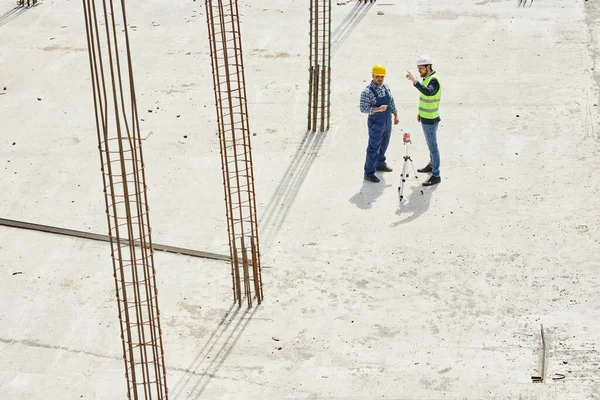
(372, 178)
(428, 168)
(385, 169)
(433, 180)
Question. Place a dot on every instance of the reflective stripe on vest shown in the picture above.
(429, 105)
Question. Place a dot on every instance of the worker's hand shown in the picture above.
(418, 118)
(380, 109)
(410, 77)
(396, 121)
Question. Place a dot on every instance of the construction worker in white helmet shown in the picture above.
(428, 114)
(377, 101)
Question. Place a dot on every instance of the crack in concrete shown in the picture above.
(592, 19)
(592, 12)
(37, 344)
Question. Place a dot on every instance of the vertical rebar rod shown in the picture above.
(222, 17)
(319, 90)
(316, 58)
(216, 83)
(125, 196)
(251, 198)
(223, 151)
(310, 67)
(328, 64)
(323, 63)
(310, 96)
(316, 96)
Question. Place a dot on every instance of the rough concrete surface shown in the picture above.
(441, 297)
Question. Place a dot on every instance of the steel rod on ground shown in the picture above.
(222, 17)
(540, 378)
(126, 202)
(319, 78)
(104, 238)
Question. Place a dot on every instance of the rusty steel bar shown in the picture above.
(104, 238)
(319, 81)
(29, 3)
(317, 43)
(324, 66)
(310, 96)
(222, 18)
(328, 28)
(311, 78)
(254, 244)
(540, 378)
(125, 196)
(217, 83)
(310, 68)
(316, 97)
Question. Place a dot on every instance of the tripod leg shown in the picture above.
(403, 176)
(414, 170)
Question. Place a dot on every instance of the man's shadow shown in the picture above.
(413, 206)
(368, 194)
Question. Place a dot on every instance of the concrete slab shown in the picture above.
(441, 297)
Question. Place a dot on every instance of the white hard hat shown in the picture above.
(424, 60)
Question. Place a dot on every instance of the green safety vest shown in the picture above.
(429, 105)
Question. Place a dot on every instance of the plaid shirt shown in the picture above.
(368, 100)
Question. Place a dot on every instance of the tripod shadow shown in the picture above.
(287, 189)
(345, 28)
(213, 354)
(416, 204)
(12, 14)
(368, 194)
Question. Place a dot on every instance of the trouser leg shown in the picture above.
(375, 138)
(430, 131)
(385, 141)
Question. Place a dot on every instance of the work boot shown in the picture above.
(433, 180)
(371, 178)
(385, 169)
(426, 169)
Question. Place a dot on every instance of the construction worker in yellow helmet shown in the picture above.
(428, 114)
(377, 101)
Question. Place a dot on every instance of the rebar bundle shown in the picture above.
(319, 71)
(120, 146)
(224, 36)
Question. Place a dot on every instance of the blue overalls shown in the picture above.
(380, 129)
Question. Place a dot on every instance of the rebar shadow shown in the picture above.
(214, 353)
(12, 14)
(348, 24)
(291, 182)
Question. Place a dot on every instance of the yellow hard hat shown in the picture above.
(378, 70)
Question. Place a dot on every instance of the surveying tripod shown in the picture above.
(407, 160)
